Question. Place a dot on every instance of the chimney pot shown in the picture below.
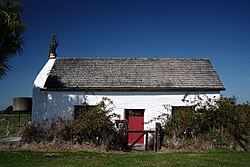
(52, 55)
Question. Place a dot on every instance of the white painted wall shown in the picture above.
(39, 108)
(51, 104)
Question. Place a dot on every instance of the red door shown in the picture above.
(135, 119)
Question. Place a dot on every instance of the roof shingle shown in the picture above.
(133, 74)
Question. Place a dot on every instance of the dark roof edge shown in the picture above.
(132, 58)
(134, 89)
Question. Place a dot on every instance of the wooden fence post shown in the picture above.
(157, 136)
(146, 144)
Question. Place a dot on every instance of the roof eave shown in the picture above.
(135, 89)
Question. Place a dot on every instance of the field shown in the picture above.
(9, 123)
(211, 158)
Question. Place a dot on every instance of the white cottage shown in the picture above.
(145, 86)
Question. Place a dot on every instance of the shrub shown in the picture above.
(94, 127)
(62, 129)
(224, 125)
(33, 133)
(116, 141)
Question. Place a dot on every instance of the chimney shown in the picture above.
(52, 55)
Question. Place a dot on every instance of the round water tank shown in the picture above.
(22, 104)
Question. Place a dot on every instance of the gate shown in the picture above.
(157, 137)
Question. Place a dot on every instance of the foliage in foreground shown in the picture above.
(11, 30)
(94, 127)
(224, 125)
(216, 124)
(34, 158)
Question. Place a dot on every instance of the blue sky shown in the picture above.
(214, 29)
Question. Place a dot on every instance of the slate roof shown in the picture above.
(133, 74)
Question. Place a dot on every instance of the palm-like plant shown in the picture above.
(11, 29)
(53, 44)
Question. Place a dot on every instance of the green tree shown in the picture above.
(11, 30)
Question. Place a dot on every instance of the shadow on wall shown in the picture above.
(54, 82)
(39, 107)
(61, 104)
(49, 105)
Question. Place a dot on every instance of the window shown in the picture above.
(80, 109)
(181, 111)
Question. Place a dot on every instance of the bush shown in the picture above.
(94, 127)
(224, 125)
(116, 141)
(62, 129)
(33, 133)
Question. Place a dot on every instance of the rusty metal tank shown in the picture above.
(22, 104)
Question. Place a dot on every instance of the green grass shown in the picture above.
(11, 122)
(35, 158)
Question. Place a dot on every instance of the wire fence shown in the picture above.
(11, 124)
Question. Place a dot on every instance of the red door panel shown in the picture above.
(135, 122)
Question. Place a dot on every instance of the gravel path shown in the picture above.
(11, 138)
